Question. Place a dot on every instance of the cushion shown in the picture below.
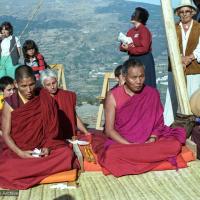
(165, 165)
(66, 176)
(182, 159)
(187, 154)
(90, 162)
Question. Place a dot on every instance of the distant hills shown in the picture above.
(82, 35)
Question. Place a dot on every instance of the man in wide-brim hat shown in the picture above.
(188, 34)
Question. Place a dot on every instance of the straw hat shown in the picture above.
(186, 3)
(195, 103)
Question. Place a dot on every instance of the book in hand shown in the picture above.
(124, 39)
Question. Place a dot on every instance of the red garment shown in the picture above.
(120, 159)
(142, 40)
(136, 120)
(66, 101)
(34, 125)
(37, 64)
(120, 96)
(41, 63)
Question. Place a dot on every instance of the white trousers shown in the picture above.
(171, 103)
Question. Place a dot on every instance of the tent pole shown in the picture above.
(174, 53)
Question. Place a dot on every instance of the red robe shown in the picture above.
(34, 125)
(66, 101)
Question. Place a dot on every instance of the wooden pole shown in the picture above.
(174, 53)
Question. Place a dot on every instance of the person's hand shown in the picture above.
(151, 139)
(131, 45)
(88, 133)
(186, 60)
(184, 67)
(45, 151)
(183, 59)
(74, 137)
(124, 47)
(25, 154)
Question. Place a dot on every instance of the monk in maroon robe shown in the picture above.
(66, 101)
(30, 122)
(137, 139)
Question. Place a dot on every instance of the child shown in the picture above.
(118, 76)
(6, 90)
(10, 49)
(33, 58)
(7, 87)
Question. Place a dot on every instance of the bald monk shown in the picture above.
(66, 100)
(137, 139)
(29, 122)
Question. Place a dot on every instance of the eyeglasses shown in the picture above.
(186, 12)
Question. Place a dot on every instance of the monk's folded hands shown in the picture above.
(25, 154)
(152, 138)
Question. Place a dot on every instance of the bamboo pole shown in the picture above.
(174, 53)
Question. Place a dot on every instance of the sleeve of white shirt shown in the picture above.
(196, 52)
(17, 42)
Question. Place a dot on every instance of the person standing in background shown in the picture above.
(10, 51)
(188, 33)
(140, 49)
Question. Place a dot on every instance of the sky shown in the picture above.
(157, 2)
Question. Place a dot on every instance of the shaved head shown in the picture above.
(22, 72)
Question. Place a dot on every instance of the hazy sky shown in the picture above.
(174, 2)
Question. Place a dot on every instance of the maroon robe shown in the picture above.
(66, 101)
(136, 120)
(34, 125)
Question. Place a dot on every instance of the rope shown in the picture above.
(35, 12)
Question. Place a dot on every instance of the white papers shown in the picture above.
(36, 152)
(79, 142)
(62, 186)
(124, 39)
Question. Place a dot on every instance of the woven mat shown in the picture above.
(162, 185)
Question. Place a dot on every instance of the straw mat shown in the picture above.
(161, 185)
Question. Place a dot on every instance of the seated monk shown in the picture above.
(66, 100)
(30, 122)
(137, 139)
